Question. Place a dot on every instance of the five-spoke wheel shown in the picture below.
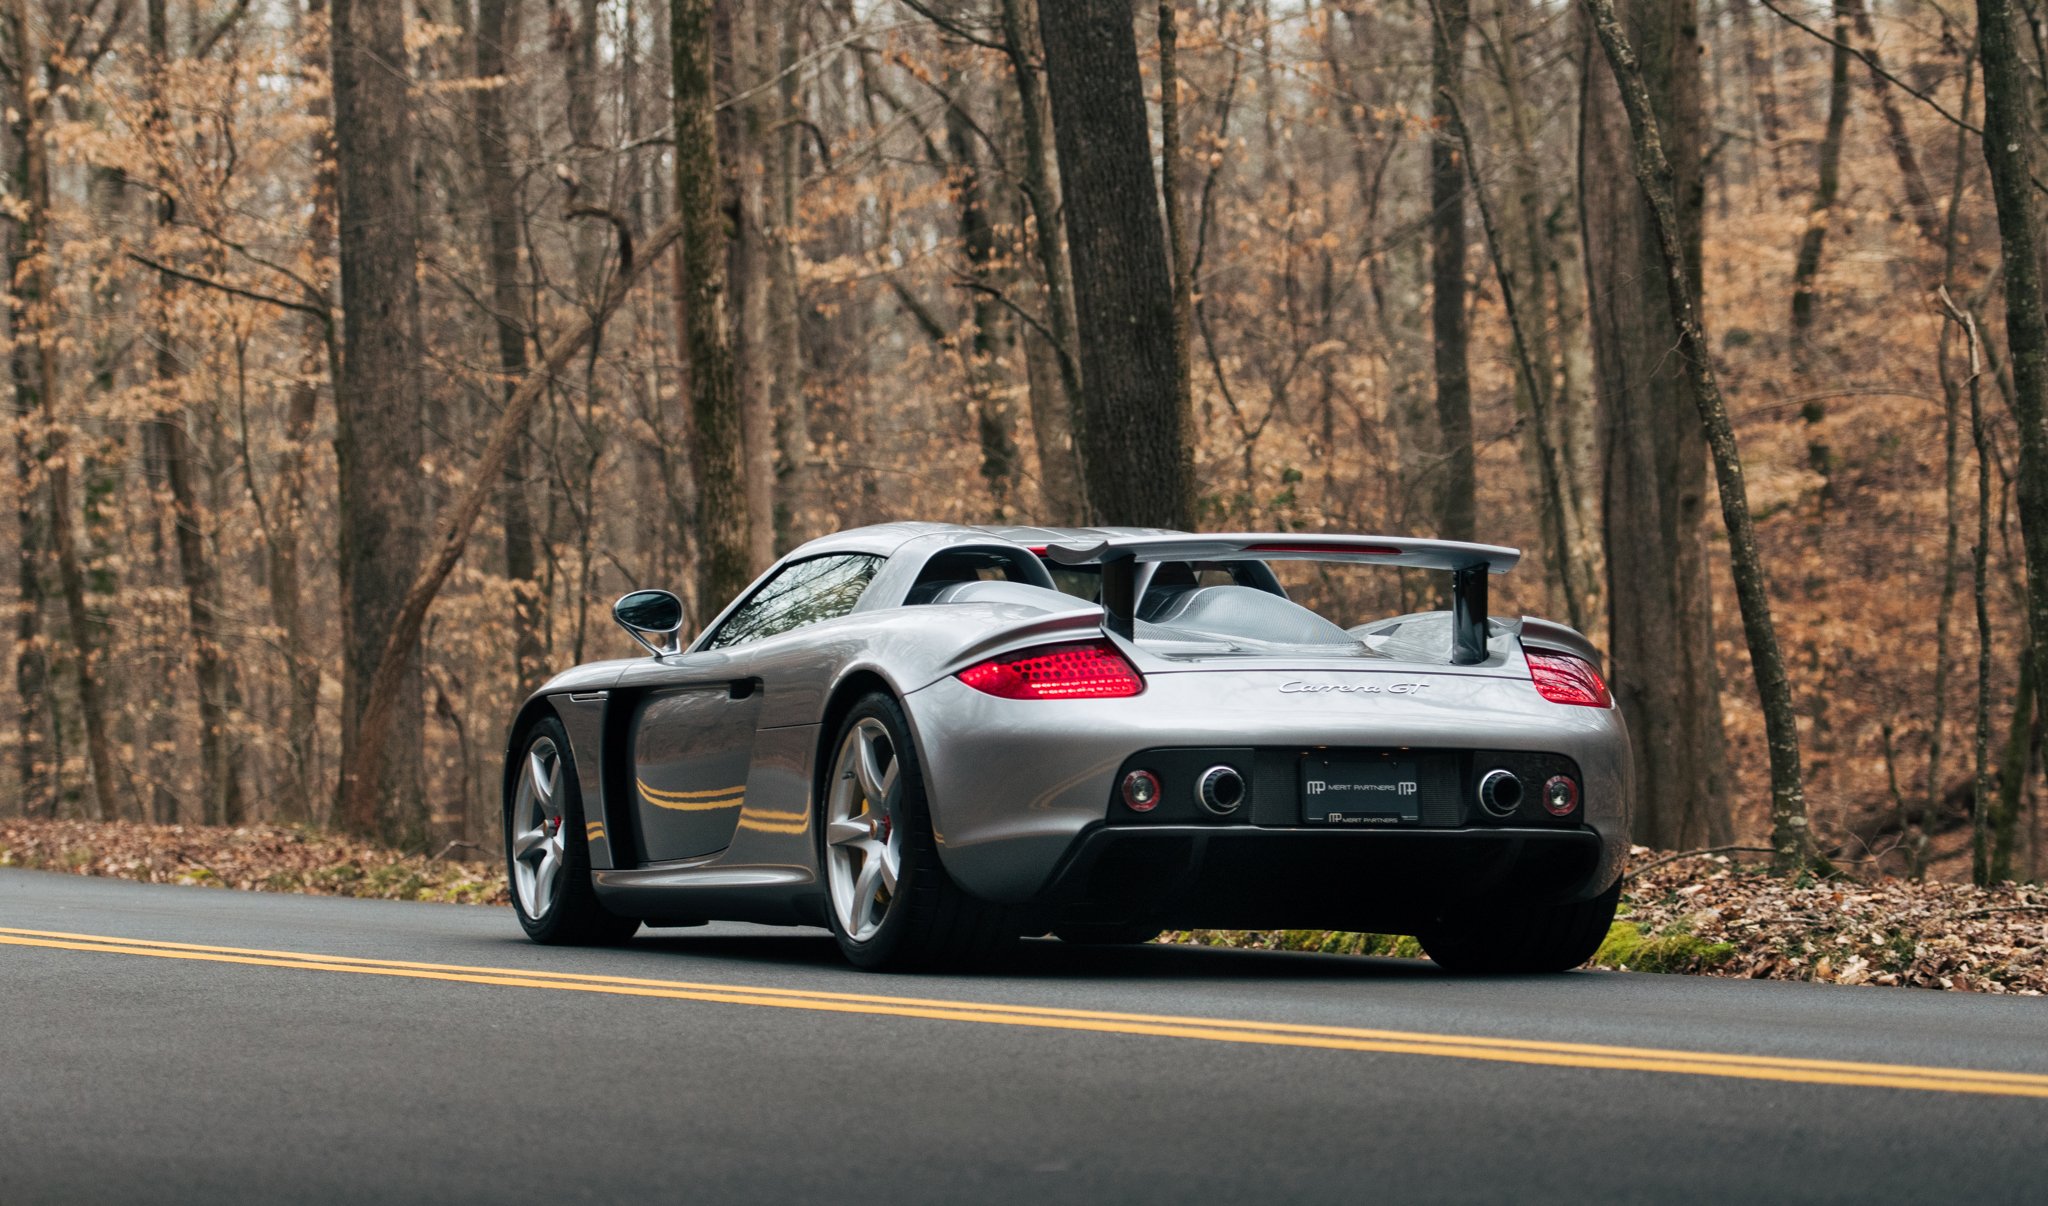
(863, 835)
(547, 853)
(537, 835)
(892, 904)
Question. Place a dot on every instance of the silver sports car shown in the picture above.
(933, 739)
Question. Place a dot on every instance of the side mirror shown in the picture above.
(647, 613)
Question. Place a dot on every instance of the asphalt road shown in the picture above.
(183, 1045)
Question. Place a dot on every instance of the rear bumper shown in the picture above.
(1394, 881)
(1019, 787)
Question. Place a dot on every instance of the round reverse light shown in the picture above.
(1561, 796)
(1141, 791)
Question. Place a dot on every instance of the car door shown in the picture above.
(691, 738)
(691, 743)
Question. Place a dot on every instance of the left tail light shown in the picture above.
(1562, 678)
(1094, 670)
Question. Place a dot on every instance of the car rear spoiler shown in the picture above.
(1468, 565)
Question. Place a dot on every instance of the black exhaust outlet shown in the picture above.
(1500, 793)
(1221, 790)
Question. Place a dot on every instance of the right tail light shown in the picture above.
(1564, 679)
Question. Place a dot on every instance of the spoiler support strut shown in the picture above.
(1468, 615)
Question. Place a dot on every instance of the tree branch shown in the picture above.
(236, 290)
(460, 520)
(955, 28)
(1672, 858)
(220, 29)
(1876, 68)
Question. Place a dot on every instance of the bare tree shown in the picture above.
(1791, 843)
(1449, 321)
(37, 73)
(377, 402)
(1135, 457)
(2010, 97)
(718, 444)
(1654, 488)
(1052, 361)
(1828, 186)
(497, 25)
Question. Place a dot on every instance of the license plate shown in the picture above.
(1360, 790)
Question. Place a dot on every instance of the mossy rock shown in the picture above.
(1628, 948)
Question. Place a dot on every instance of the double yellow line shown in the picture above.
(1219, 1030)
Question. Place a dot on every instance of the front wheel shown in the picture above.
(893, 907)
(547, 853)
(1507, 940)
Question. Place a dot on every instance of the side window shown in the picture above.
(971, 565)
(819, 588)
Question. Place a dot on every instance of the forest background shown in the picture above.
(360, 353)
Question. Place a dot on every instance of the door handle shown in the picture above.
(742, 688)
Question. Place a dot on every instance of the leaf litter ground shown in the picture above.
(1699, 915)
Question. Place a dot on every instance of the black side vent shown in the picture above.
(1273, 786)
(1443, 805)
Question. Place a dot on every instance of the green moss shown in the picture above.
(1624, 939)
(1626, 946)
(1345, 942)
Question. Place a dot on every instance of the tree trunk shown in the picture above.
(497, 30)
(717, 449)
(284, 516)
(39, 755)
(1807, 266)
(1919, 200)
(1917, 844)
(2013, 769)
(573, 40)
(219, 691)
(1763, 77)
(2008, 150)
(1450, 333)
(1176, 214)
(745, 162)
(1535, 382)
(1536, 264)
(981, 354)
(1136, 464)
(1653, 496)
(37, 386)
(377, 398)
(1052, 364)
(784, 302)
(391, 665)
(1676, 236)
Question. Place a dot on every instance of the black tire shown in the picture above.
(1108, 934)
(572, 915)
(929, 921)
(1555, 938)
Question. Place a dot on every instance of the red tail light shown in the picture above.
(1091, 671)
(1562, 678)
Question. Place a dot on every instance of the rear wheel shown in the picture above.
(893, 907)
(1551, 938)
(547, 852)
